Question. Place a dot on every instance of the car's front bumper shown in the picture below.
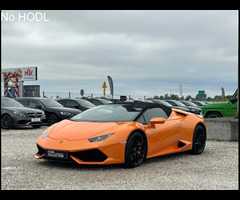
(26, 121)
(81, 151)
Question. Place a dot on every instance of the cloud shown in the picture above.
(144, 51)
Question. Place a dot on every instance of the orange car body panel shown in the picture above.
(162, 138)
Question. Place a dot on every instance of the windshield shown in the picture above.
(85, 103)
(8, 102)
(50, 103)
(175, 103)
(165, 103)
(188, 103)
(109, 113)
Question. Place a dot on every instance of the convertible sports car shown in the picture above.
(123, 133)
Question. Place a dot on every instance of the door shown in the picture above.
(161, 136)
(232, 107)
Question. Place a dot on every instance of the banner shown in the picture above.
(110, 81)
(24, 74)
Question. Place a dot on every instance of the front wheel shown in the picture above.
(199, 140)
(213, 115)
(136, 150)
(6, 122)
(52, 119)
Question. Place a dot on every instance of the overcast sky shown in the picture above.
(145, 52)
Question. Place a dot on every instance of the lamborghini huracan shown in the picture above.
(125, 133)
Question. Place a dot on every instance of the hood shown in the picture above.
(64, 109)
(215, 105)
(72, 130)
(24, 109)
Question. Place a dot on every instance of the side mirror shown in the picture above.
(233, 100)
(39, 107)
(77, 107)
(157, 120)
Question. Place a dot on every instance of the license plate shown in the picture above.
(57, 154)
(35, 119)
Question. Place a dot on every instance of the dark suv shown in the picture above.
(14, 114)
(54, 111)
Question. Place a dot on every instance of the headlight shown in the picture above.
(19, 114)
(44, 135)
(65, 113)
(100, 138)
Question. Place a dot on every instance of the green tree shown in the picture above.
(188, 97)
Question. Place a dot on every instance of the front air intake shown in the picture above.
(94, 155)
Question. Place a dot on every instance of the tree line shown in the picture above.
(189, 97)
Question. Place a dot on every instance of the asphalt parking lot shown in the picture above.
(215, 169)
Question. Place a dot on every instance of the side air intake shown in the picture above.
(181, 144)
(180, 113)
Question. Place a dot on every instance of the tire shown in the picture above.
(199, 140)
(213, 115)
(52, 119)
(135, 150)
(6, 122)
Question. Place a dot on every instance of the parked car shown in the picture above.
(126, 133)
(98, 102)
(14, 114)
(162, 102)
(223, 109)
(54, 111)
(80, 104)
(192, 109)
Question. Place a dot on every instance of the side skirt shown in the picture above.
(182, 145)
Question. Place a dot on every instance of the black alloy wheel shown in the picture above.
(52, 119)
(213, 115)
(199, 140)
(136, 150)
(6, 122)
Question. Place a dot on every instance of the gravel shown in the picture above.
(215, 169)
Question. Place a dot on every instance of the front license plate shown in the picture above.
(57, 154)
(35, 119)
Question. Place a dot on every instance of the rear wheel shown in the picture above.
(199, 140)
(136, 150)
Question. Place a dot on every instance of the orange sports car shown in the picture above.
(125, 133)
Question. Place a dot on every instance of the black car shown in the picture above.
(54, 111)
(192, 109)
(80, 104)
(14, 114)
(98, 102)
(162, 102)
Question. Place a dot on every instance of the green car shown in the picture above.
(224, 109)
